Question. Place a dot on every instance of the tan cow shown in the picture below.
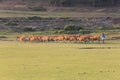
(94, 38)
(21, 38)
(44, 38)
(83, 38)
(31, 38)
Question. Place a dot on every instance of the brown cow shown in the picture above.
(66, 37)
(21, 38)
(94, 38)
(56, 38)
(83, 38)
(60, 38)
(44, 38)
(70, 37)
(51, 38)
(38, 38)
(31, 38)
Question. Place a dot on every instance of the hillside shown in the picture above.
(46, 5)
(40, 23)
(39, 15)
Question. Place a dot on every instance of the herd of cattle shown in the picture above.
(82, 38)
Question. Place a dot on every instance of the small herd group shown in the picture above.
(82, 38)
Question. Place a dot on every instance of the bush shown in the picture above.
(34, 18)
(117, 27)
(68, 19)
(27, 29)
(61, 32)
(40, 8)
(82, 31)
(72, 27)
(71, 32)
(3, 37)
(69, 27)
(11, 24)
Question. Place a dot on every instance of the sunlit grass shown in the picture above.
(15, 13)
(59, 61)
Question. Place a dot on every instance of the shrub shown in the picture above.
(29, 28)
(72, 27)
(71, 32)
(58, 32)
(69, 27)
(34, 18)
(3, 37)
(82, 31)
(11, 24)
(61, 31)
(118, 27)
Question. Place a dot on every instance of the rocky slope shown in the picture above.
(38, 23)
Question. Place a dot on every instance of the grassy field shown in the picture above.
(59, 61)
(15, 13)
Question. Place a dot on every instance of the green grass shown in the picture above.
(16, 13)
(59, 61)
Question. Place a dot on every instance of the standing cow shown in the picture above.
(21, 38)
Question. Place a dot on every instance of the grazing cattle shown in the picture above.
(83, 38)
(51, 38)
(66, 37)
(94, 38)
(60, 38)
(56, 38)
(31, 38)
(21, 38)
(44, 38)
(72, 38)
(38, 38)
